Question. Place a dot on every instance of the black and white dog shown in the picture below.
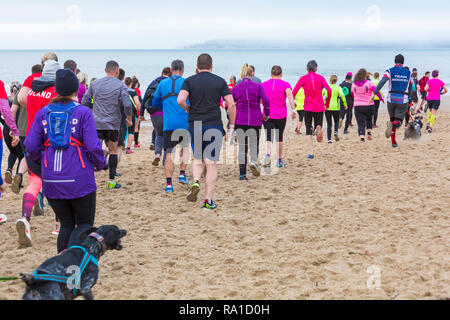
(74, 271)
(414, 130)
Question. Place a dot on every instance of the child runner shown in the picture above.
(73, 154)
(362, 91)
(313, 84)
(277, 90)
(248, 96)
(435, 88)
(333, 112)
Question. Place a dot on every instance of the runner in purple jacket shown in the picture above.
(68, 174)
(248, 96)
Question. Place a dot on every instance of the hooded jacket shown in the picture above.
(68, 173)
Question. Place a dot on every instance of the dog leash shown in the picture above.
(4, 279)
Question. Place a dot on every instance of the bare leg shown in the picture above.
(211, 178)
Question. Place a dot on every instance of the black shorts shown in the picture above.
(108, 135)
(276, 128)
(301, 115)
(171, 140)
(131, 129)
(424, 95)
(434, 104)
(397, 111)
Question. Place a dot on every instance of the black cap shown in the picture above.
(66, 82)
(399, 59)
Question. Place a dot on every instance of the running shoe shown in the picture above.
(138, 145)
(169, 188)
(346, 132)
(281, 164)
(319, 135)
(297, 131)
(117, 174)
(394, 145)
(8, 176)
(255, 169)
(243, 178)
(329, 141)
(183, 179)
(310, 156)
(129, 151)
(152, 147)
(56, 229)
(38, 208)
(156, 161)
(363, 140)
(17, 184)
(375, 126)
(267, 161)
(113, 185)
(336, 137)
(193, 192)
(388, 131)
(351, 124)
(369, 137)
(3, 218)
(430, 129)
(23, 231)
(209, 205)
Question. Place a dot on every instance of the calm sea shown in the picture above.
(147, 64)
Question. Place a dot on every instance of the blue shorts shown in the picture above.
(206, 142)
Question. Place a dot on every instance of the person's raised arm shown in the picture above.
(381, 84)
(297, 87)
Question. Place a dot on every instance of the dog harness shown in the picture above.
(87, 258)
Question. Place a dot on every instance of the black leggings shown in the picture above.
(375, 114)
(76, 216)
(14, 152)
(247, 136)
(318, 121)
(330, 116)
(364, 115)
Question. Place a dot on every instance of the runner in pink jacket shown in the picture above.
(313, 84)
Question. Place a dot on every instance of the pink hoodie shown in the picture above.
(5, 111)
(313, 85)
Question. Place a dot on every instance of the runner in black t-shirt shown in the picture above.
(204, 91)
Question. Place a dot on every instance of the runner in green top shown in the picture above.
(300, 102)
(335, 106)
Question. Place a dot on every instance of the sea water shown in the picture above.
(146, 65)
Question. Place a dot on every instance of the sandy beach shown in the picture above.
(316, 229)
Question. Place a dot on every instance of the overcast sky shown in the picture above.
(139, 24)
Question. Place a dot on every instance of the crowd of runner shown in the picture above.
(56, 123)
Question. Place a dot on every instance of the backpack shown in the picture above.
(172, 93)
(148, 96)
(59, 120)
